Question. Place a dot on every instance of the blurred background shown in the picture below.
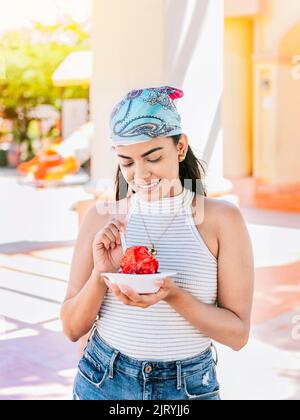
(63, 65)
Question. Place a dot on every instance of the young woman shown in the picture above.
(158, 346)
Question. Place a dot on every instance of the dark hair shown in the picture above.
(191, 173)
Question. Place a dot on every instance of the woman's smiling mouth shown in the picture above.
(148, 187)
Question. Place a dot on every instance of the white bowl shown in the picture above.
(140, 283)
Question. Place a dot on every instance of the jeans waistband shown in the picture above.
(147, 369)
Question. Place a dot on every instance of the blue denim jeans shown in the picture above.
(106, 374)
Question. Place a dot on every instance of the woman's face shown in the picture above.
(152, 168)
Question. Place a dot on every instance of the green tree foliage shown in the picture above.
(28, 59)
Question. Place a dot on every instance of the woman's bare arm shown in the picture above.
(86, 289)
(229, 323)
(236, 269)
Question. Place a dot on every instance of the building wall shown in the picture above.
(238, 97)
(238, 8)
(265, 123)
(276, 42)
(277, 18)
(276, 91)
(288, 128)
(128, 53)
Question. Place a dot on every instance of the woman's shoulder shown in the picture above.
(112, 208)
(105, 210)
(219, 206)
(212, 216)
(101, 212)
(222, 213)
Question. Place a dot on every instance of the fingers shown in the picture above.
(107, 240)
(161, 294)
(110, 236)
(142, 301)
(116, 290)
(102, 242)
(131, 294)
(115, 229)
(124, 294)
(129, 297)
(123, 298)
(120, 225)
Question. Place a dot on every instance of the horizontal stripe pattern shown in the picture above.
(159, 332)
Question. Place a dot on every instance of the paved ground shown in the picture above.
(37, 232)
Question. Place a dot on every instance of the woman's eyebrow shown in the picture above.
(145, 154)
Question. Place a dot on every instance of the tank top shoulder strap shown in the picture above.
(131, 206)
(188, 202)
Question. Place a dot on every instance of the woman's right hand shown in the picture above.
(107, 247)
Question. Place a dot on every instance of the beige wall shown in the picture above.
(276, 90)
(278, 17)
(237, 8)
(265, 122)
(288, 128)
(238, 97)
(277, 109)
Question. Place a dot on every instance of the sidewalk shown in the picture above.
(37, 362)
(37, 238)
(268, 368)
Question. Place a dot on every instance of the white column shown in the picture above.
(194, 60)
(128, 53)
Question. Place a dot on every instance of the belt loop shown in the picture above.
(216, 352)
(143, 372)
(92, 332)
(179, 383)
(111, 364)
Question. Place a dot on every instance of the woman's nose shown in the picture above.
(142, 174)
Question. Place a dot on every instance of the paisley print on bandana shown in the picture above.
(134, 94)
(146, 114)
(154, 98)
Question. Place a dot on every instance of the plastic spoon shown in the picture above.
(123, 241)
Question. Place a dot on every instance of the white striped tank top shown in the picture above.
(159, 333)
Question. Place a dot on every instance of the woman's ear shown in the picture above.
(183, 144)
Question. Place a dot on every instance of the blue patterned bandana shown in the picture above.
(145, 114)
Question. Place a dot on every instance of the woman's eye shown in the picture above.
(151, 161)
(156, 160)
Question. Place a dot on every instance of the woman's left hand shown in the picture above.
(129, 297)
